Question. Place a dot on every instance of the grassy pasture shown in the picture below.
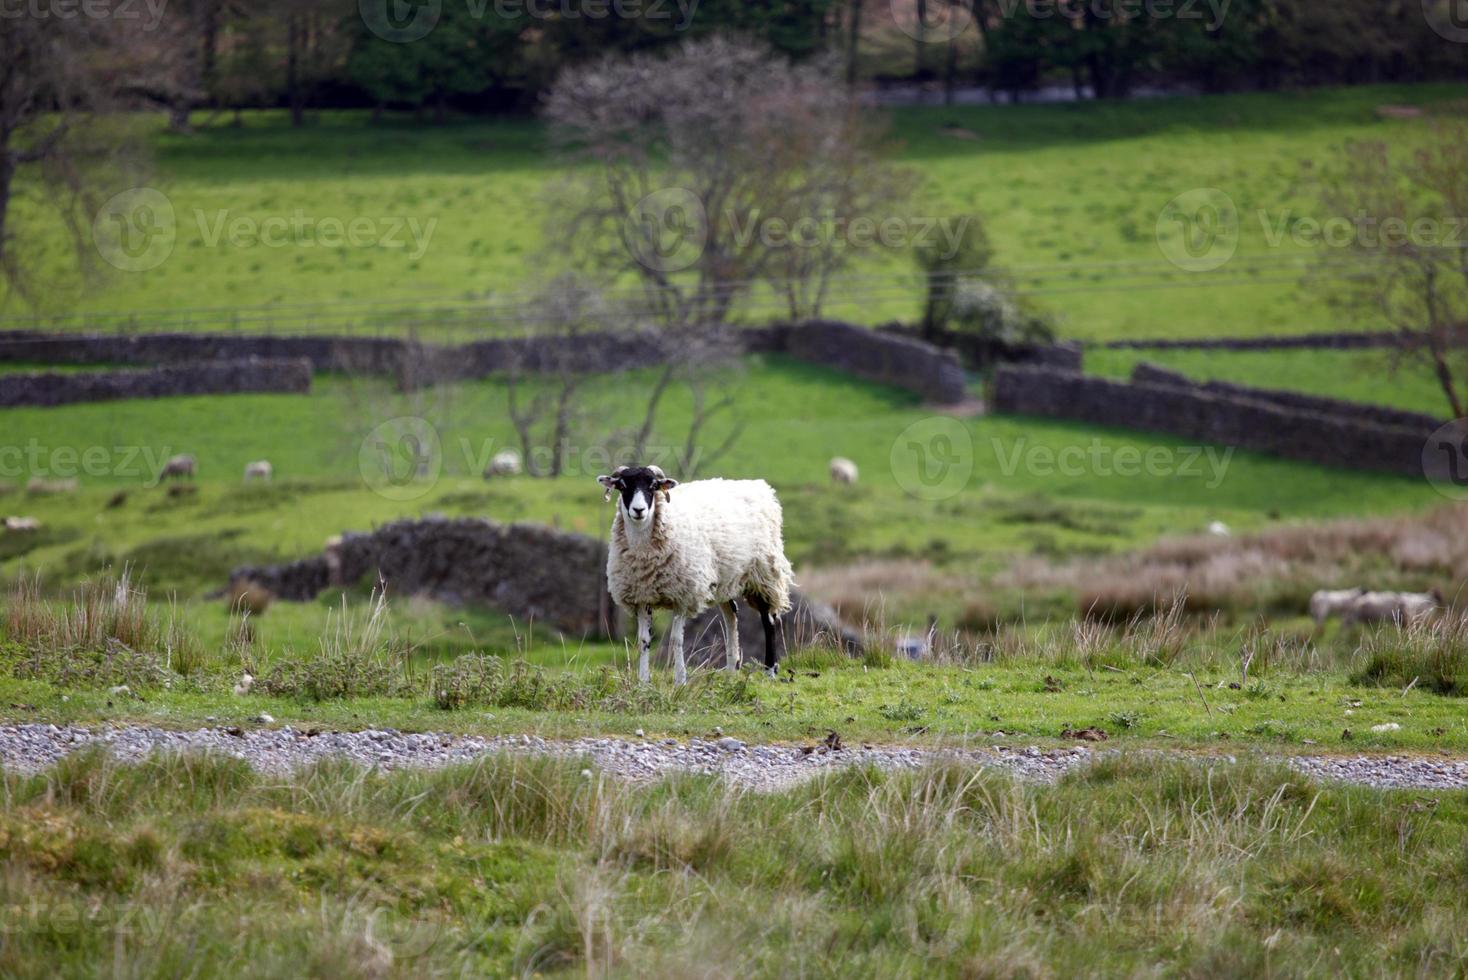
(1072, 195)
(526, 867)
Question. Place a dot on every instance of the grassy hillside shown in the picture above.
(1072, 194)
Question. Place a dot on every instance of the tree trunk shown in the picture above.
(178, 115)
(294, 95)
(950, 71)
(7, 174)
(1445, 376)
(853, 43)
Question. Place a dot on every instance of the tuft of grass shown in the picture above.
(358, 656)
(106, 634)
(1431, 654)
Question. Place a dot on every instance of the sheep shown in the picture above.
(506, 462)
(1418, 607)
(39, 486)
(1327, 602)
(1218, 529)
(843, 470)
(260, 469)
(15, 525)
(1402, 608)
(714, 542)
(177, 467)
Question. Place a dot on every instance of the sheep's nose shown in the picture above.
(637, 512)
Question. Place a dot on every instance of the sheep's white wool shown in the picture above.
(843, 470)
(506, 462)
(260, 469)
(1332, 602)
(709, 541)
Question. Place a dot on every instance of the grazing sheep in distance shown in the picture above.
(1332, 602)
(710, 544)
(506, 462)
(260, 469)
(843, 470)
(1218, 529)
(21, 524)
(1402, 608)
(178, 467)
(38, 486)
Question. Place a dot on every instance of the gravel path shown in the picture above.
(28, 748)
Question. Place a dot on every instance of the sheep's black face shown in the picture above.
(638, 487)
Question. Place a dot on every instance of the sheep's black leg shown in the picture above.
(771, 658)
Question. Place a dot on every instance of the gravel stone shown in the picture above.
(32, 747)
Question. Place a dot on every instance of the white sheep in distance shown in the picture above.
(843, 470)
(1326, 603)
(506, 462)
(177, 467)
(1402, 608)
(1218, 529)
(710, 544)
(260, 469)
(22, 524)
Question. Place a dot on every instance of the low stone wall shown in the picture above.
(1145, 373)
(934, 374)
(1338, 340)
(367, 355)
(903, 362)
(1223, 418)
(981, 354)
(528, 570)
(250, 375)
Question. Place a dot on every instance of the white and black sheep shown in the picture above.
(506, 462)
(710, 544)
(182, 465)
(843, 470)
(260, 469)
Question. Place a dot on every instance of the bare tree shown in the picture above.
(545, 381)
(1405, 260)
(695, 155)
(697, 171)
(59, 80)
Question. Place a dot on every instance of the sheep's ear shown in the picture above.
(610, 482)
(666, 484)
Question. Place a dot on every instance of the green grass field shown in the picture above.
(525, 867)
(1072, 195)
